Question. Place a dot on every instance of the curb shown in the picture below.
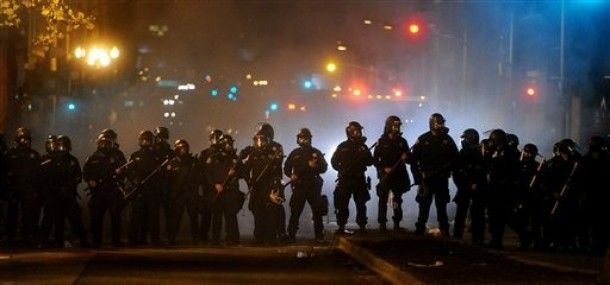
(386, 270)
(553, 266)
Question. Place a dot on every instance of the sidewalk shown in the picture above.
(403, 258)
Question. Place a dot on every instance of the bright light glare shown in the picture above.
(114, 52)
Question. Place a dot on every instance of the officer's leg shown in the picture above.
(258, 209)
(361, 196)
(397, 205)
(206, 222)
(297, 203)
(114, 204)
(97, 208)
(477, 214)
(341, 201)
(134, 221)
(12, 214)
(175, 216)
(230, 216)
(424, 202)
(153, 219)
(73, 213)
(217, 215)
(314, 199)
(382, 207)
(193, 207)
(462, 202)
(60, 216)
(30, 217)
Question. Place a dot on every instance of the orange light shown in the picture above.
(414, 28)
(531, 91)
(357, 92)
(397, 93)
(291, 106)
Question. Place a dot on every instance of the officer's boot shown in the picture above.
(382, 228)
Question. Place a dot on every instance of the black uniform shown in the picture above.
(99, 173)
(351, 159)
(183, 173)
(61, 174)
(469, 177)
(145, 205)
(206, 200)
(261, 168)
(23, 178)
(526, 199)
(503, 178)
(596, 175)
(163, 151)
(227, 202)
(388, 155)
(307, 187)
(432, 161)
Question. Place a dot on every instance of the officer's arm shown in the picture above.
(368, 157)
(288, 164)
(415, 160)
(322, 164)
(335, 160)
(76, 172)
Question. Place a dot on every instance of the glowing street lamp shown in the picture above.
(97, 56)
(331, 67)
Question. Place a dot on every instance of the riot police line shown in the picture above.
(550, 203)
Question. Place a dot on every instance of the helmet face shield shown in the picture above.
(303, 141)
(260, 141)
(436, 122)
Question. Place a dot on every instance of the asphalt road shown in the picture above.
(299, 264)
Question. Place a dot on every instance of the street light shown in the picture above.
(331, 67)
(97, 56)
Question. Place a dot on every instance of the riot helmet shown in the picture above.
(64, 144)
(104, 143)
(23, 137)
(50, 144)
(436, 122)
(392, 125)
(161, 134)
(497, 139)
(304, 137)
(146, 139)
(181, 147)
(215, 136)
(111, 135)
(267, 130)
(529, 152)
(353, 130)
(596, 144)
(228, 143)
(470, 138)
(261, 140)
(512, 141)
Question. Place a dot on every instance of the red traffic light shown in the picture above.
(531, 91)
(413, 28)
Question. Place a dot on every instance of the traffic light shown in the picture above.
(71, 106)
(233, 89)
(531, 91)
(307, 84)
(414, 28)
(273, 106)
(214, 92)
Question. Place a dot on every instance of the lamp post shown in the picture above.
(97, 57)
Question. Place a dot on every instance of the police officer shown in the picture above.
(434, 156)
(207, 188)
(350, 159)
(390, 158)
(304, 166)
(183, 173)
(526, 201)
(596, 165)
(223, 172)
(267, 130)
(23, 178)
(260, 170)
(61, 175)
(503, 178)
(163, 151)
(469, 177)
(100, 173)
(146, 203)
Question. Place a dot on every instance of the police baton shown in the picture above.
(136, 188)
